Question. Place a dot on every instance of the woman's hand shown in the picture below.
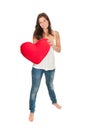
(50, 42)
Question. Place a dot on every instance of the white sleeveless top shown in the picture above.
(48, 63)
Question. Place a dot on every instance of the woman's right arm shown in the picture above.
(34, 40)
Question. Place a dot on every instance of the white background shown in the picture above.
(17, 22)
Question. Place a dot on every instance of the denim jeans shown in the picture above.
(36, 79)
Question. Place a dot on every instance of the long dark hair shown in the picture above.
(38, 33)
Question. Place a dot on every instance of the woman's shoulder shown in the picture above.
(34, 40)
(55, 33)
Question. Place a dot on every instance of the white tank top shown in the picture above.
(48, 63)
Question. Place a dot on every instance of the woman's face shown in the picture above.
(43, 22)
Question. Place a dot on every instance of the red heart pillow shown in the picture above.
(35, 52)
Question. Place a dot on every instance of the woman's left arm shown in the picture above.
(57, 47)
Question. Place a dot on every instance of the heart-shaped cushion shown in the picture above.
(35, 52)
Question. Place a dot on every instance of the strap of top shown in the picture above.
(54, 39)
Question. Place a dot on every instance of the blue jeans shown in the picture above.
(36, 79)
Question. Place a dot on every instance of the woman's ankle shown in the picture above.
(57, 105)
(31, 116)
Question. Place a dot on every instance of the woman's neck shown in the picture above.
(45, 32)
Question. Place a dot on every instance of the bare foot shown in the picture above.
(31, 116)
(57, 105)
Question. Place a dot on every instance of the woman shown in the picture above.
(47, 65)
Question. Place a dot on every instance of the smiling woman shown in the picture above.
(47, 65)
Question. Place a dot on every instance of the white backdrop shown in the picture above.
(17, 22)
